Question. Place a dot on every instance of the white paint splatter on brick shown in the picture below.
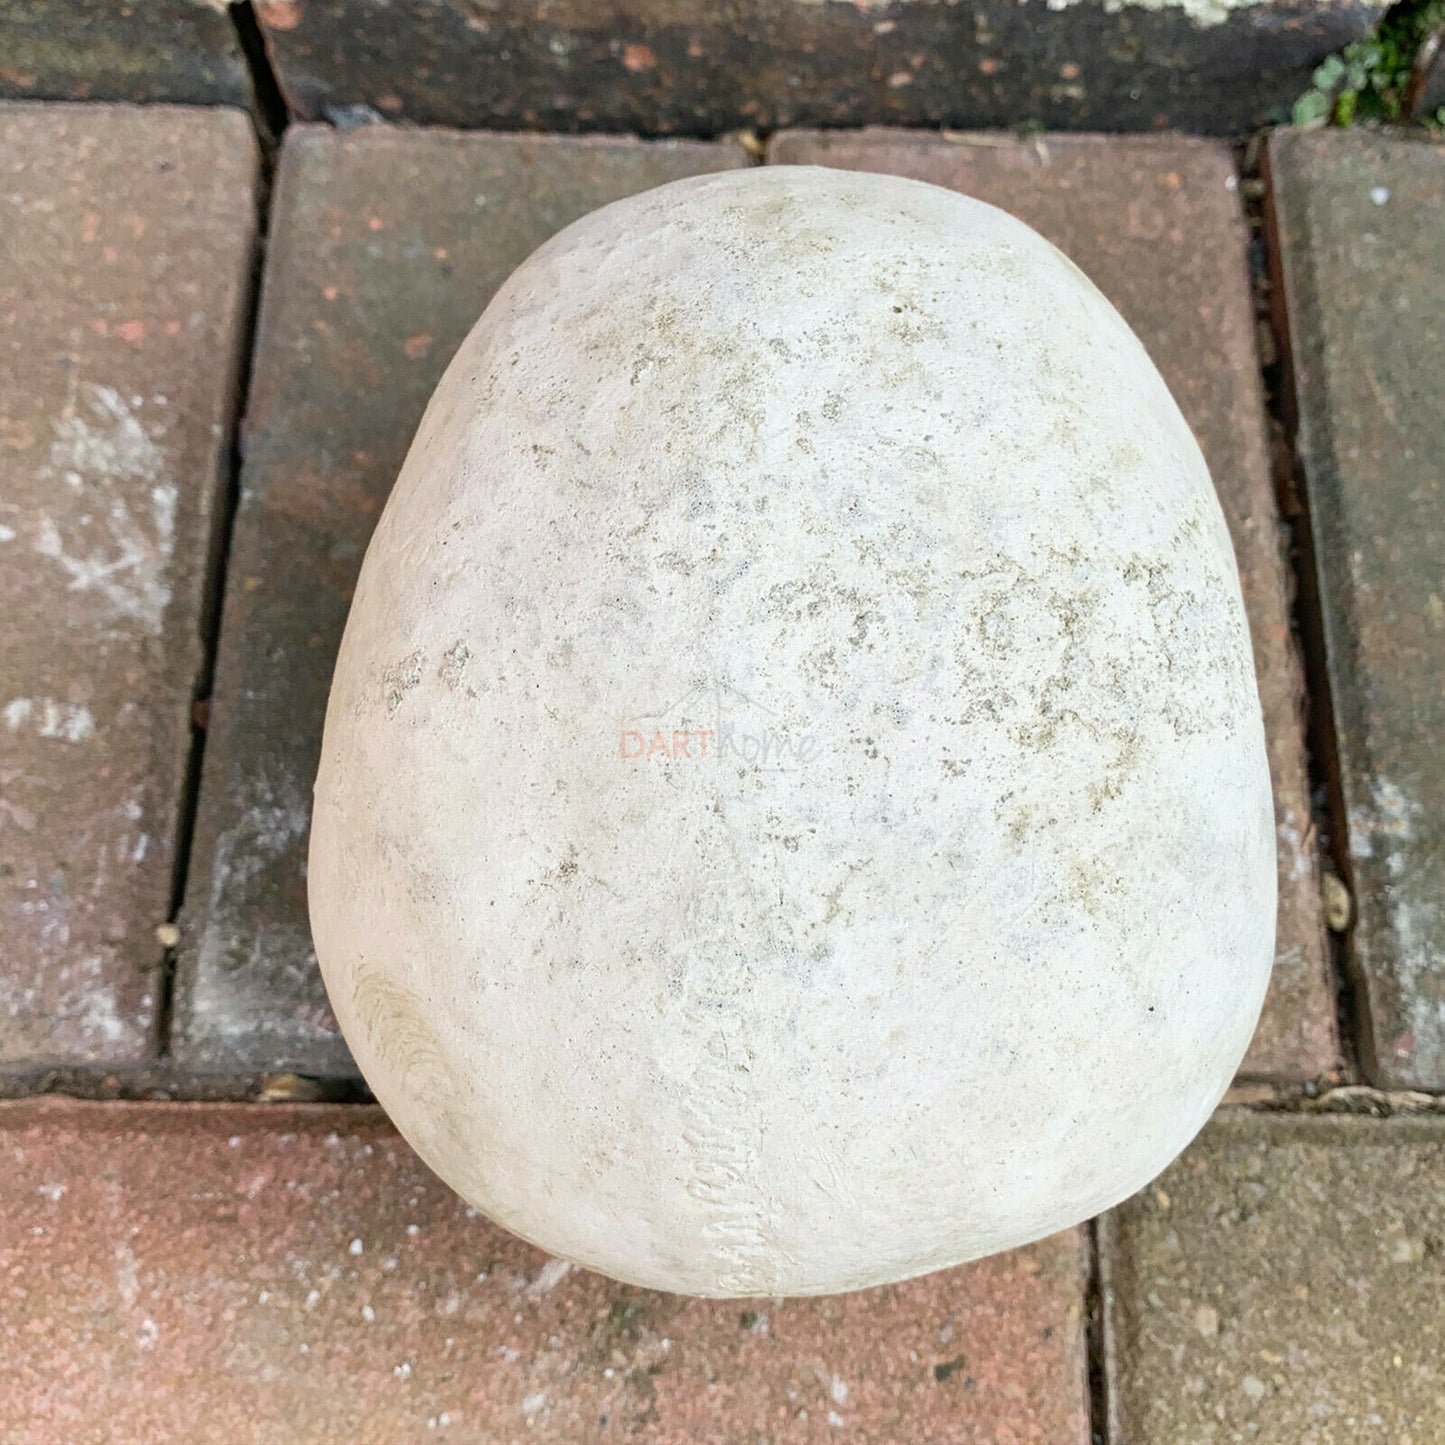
(1292, 847)
(1383, 832)
(69, 722)
(65, 722)
(121, 549)
(1202, 12)
(127, 1273)
(277, 818)
(550, 1276)
(101, 1017)
(1385, 827)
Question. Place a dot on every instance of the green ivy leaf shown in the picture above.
(1311, 108)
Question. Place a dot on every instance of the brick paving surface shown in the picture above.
(699, 68)
(125, 251)
(357, 295)
(175, 50)
(1284, 1281)
(1361, 246)
(279, 1274)
(1157, 225)
(385, 247)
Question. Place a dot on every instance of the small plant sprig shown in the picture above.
(1377, 78)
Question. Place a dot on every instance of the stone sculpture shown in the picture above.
(793, 812)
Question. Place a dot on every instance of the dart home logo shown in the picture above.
(717, 723)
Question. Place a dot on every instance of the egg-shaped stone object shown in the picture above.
(793, 811)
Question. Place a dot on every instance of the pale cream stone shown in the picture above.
(938, 909)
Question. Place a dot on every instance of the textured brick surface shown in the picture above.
(125, 250)
(385, 246)
(697, 67)
(1284, 1281)
(1361, 244)
(145, 50)
(1156, 223)
(211, 1274)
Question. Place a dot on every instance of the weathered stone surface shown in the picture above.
(385, 247)
(149, 50)
(157, 1261)
(693, 67)
(1361, 251)
(1284, 1280)
(126, 241)
(1156, 224)
(958, 932)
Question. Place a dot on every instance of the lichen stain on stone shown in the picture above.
(400, 678)
(453, 665)
(1059, 609)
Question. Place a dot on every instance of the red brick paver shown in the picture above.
(125, 248)
(177, 50)
(1156, 223)
(696, 67)
(1284, 1281)
(1360, 245)
(211, 1273)
(385, 247)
